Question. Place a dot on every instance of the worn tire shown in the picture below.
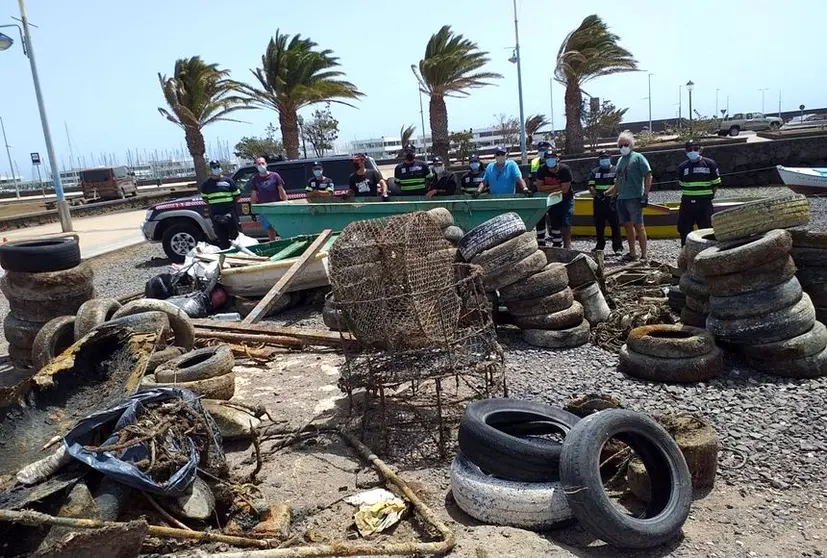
(93, 313)
(807, 344)
(20, 333)
(218, 387)
(525, 505)
(452, 234)
(161, 356)
(549, 280)
(670, 341)
(693, 287)
(813, 366)
(199, 364)
(677, 300)
(670, 370)
(483, 441)
(519, 271)
(756, 303)
(543, 305)
(500, 257)
(46, 286)
(145, 322)
(761, 216)
(564, 319)
(803, 238)
(809, 257)
(767, 328)
(671, 491)
(761, 277)
(441, 217)
(691, 318)
(697, 242)
(46, 310)
(558, 339)
(699, 305)
(37, 256)
(742, 255)
(180, 323)
(53, 338)
(489, 234)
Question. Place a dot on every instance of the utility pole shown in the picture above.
(716, 102)
(524, 155)
(421, 110)
(11, 165)
(551, 106)
(651, 131)
(689, 87)
(763, 91)
(680, 108)
(779, 103)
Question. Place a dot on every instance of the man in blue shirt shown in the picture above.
(503, 176)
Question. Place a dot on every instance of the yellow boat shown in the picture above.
(661, 220)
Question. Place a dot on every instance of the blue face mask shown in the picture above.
(216, 171)
(475, 166)
(693, 155)
(551, 162)
(605, 162)
(317, 172)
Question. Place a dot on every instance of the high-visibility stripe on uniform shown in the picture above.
(411, 183)
(220, 197)
(699, 188)
(535, 164)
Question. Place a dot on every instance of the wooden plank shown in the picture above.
(309, 336)
(287, 279)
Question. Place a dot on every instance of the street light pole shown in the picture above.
(62, 206)
(551, 106)
(680, 107)
(11, 165)
(716, 102)
(651, 131)
(421, 110)
(524, 154)
(689, 87)
(763, 92)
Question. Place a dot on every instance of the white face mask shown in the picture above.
(625, 150)
(500, 159)
(261, 168)
(438, 169)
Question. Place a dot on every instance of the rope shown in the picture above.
(721, 174)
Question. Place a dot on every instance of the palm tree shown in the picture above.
(405, 135)
(588, 52)
(532, 124)
(199, 94)
(449, 69)
(294, 75)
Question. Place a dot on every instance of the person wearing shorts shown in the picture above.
(632, 184)
(267, 187)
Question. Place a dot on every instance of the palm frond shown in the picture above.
(450, 65)
(591, 51)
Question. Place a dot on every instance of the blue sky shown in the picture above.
(99, 59)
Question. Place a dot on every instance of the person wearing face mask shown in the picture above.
(412, 175)
(536, 163)
(444, 183)
(366, 182)
(221, 194)
(472, 180)
(554, 178)
(699, 179)
(319, 186)
(503, 176)
(267, 187)
(604, 208)
(632, 183)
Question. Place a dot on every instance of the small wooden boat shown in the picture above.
(253, 276)
(298, 217)
(804, 180)
(661, 220)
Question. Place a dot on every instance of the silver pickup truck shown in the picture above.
(756, 121)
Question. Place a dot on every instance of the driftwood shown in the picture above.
(308, 336)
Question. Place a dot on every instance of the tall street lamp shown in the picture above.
(716, 102)
(515, 59)
(651, 131)
(763, 95)
(689, 87)
(28, 50)
(421, 110)
(8, 154)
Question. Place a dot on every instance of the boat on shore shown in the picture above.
(804, 180)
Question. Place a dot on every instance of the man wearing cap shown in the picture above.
(444, 183)
(471, 180)
(503, 176)
(604, 208)
(699, 179)
(412, 175)
(553, 178)
(221, 194)
(267, 187)
(366, 182)
(319, 186)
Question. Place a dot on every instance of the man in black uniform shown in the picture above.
(472, 179)
(221, 195)
(699, 179)
(412, 176)
(444, 183)
(540, 160)
(319, 186)
(554, 178)
(604, 208)
(366, 182)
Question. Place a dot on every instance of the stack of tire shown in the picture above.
(503, 476)
(44, 279)
(810, 256)
(693, 289)
(670, 353)
(758, 306)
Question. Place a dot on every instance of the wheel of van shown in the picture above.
(734, 131)
(180, 238)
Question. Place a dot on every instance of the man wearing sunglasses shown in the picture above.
(632, 183)
(698, 178)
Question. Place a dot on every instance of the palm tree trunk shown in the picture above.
(196, 147)
(289, 122)
(439, 127)
(574, 124)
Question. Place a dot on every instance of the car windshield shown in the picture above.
(96, 175)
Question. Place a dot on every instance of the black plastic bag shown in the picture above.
(195, 305)
(165, 285)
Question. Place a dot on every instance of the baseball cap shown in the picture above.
(474, 157)
(500, 150)
(692, 145)
(215, 164)
(603, 154)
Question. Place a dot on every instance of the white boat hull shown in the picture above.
(803, 180)
(256, 280)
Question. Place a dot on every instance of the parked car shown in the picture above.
(181, 223)
(756, 121)
(814, 120)
(108, 183)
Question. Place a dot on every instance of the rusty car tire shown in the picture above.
(219, 387)
(54, 337)
(519, 271)
(738, 256)
(179, 321)
(553, 278)
(543, 305)
(495, 231)
(670, 341)
(20, 333)
(756, 303)
(761, 277)
(93, 313)
(563, 319)
(670, 370)
(560, 338)
(503, 256)
(161, 356)
(767, 328)
(809, 343)
(761, 216)
(199, 364)
(42, 255)
(813, 366)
